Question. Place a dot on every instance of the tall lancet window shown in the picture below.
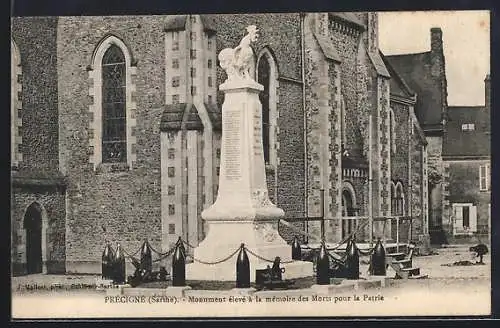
(114, 123)
(264, 74)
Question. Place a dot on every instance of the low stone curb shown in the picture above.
(332, 289)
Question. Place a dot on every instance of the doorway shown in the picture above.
(33, 228)
(348, 210)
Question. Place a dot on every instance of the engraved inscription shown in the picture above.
(257, 133)
(232, 151)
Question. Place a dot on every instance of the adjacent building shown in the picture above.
(467, 163)
(425, 75)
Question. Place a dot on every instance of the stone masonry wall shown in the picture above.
(52, 201)
(399, 159)
(317, 114)
(346, 41)
(123, 205)
(36, 40)
(437, 204)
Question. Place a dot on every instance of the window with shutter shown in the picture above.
(457, 219)
(484, 177)
(464, 219)
(473, 219)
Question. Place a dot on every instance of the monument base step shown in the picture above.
(226, 271)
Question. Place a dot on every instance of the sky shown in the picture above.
(466, 42)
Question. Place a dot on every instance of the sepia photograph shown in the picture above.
(306, 164)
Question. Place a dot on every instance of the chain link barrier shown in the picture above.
(216, 262)
(264, 259)
(132, 256)
(227, 258)
(163, 256)
(231, 255)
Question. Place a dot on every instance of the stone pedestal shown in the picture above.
(242, 212)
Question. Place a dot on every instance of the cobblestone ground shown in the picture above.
(449, 290)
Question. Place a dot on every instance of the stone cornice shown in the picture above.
(460, 158)
(404, 100)
(55, 182)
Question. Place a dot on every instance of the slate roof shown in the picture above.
(175, 116)
(458, 143)
(215, 116)
(398, 86)
(415, 70)
(379, 64)
(175, 22)
(208, 24)
(327, 47)
(178, 23)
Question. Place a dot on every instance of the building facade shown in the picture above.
(116, 129)
(425, 74)
(467, 163)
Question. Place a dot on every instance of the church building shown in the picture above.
(116, 132)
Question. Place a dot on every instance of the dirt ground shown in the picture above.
(449, 290)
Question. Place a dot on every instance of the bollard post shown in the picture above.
(242, 269)
(119, 266)
(352, 261)
(181, 245)
(323, 266)
(296, 250)
(107, 262)
(146, 259)
(378, 260)
(178, 267)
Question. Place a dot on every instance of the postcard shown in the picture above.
(318, 164)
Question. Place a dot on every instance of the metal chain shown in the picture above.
(165, 255)
(133, 255)
(161, 254)
(264, 259)
(188, 244)
(130, 255)
(216, 262)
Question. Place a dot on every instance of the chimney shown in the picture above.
(437, 57)
(487, 92)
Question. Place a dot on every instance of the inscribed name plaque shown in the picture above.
(257, 128)
(232, 144)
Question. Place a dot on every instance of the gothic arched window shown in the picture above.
(113, 107)
(397, 199)
(114, 119)
(267, 75)
(264, 71)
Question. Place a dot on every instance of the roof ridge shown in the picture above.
(467, 106)
(410, 54)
